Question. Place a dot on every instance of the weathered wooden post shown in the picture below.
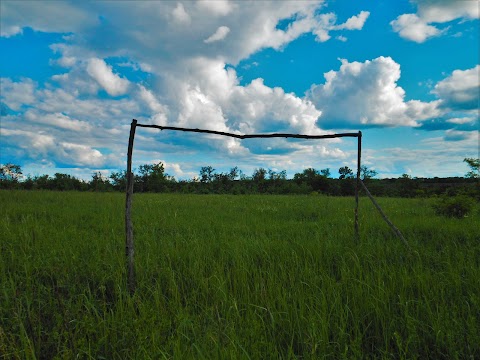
(357, 185)
(129, 247)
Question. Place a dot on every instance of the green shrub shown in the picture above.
(454, 206)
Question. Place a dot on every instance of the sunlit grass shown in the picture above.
(235, 277)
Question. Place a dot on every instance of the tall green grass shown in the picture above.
(235, 277)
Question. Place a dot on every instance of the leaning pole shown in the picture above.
(129, 246)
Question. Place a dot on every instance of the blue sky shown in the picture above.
(405, 73)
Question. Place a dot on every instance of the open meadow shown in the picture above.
(235, 277)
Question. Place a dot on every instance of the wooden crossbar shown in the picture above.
(252, 136)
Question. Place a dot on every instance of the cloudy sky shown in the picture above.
(74, 74)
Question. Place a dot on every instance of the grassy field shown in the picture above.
(235, 277)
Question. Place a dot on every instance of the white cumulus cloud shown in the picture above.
(180, 15)
(411, 27)
(259, 108)
(423, 25)
(216, 7)
(461, 90)
(367, 94)
(48, 16)
(113, 84)
(218, 35)
(17, 94)
(58, 120)
(210, 94)
(39, 145)
(441, 11)
(355, 22)
(325, 23)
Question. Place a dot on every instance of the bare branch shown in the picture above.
(251, 136)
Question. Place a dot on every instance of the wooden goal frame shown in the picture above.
(129, 244)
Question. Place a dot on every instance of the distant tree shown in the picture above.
(313, 179)
(277, 181)
(152, 177)
(65, 182)
(28, 183)
(99, 182)
(345, 173)
(259, 179)
(10, 172)
(222, 181)
(308, 176)
(406, 186)
(259, 175)
(272, 174)
(277, 176)
(325, 172)
(207, 174)
(234, 173)
(366, 173)
(242, 175)
(474, 165)
(43, 182)
(119, 180)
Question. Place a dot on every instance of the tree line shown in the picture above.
(153, 178)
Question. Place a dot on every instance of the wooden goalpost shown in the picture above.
(129, 245)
